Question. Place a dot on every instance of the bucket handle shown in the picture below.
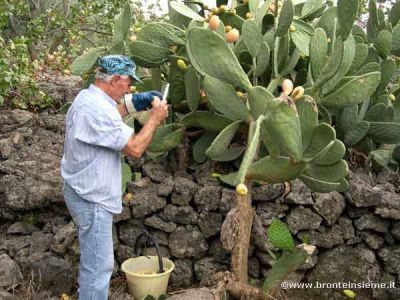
(144, 238)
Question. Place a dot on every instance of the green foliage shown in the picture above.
(280, 236)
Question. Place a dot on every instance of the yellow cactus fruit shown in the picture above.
(240, 94)
(215, 175)
(181, 64)
(329, 40)
(133, 38)
(241, 189)
(133, 89)
(215, 10)
(392, 97)
(214, 22)
(349, 293)
(297, 93)
(249, 15)
(137, 29)
(292, 28)
(228, 28)
(206, 19)
(222, 8)
(128, 197)
(64, 297)
(245, 1)
(173, 48)
(67, 72)
(287, 87)
(232, 36)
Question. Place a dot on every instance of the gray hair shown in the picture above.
(106, 77)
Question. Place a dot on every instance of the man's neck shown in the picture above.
(106, 88)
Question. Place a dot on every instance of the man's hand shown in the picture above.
(140, 101)
(159, 112)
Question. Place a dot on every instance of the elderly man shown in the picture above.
(91, 164)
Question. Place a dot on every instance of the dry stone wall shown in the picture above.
(357, 233)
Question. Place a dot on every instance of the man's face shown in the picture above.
(122, 85)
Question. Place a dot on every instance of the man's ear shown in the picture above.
(114, 79)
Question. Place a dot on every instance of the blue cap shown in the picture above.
(118, 65)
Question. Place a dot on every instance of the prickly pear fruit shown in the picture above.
(287, 87)
(181, 64)
(214, 22)
(232, 36)
(241, 189)
(297, 93)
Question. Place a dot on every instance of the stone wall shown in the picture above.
(357, 233)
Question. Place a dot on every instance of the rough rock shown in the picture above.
(259, 235)
(267, 192)
(362, 194)
(184, 190)
(207, 198)
(22, 228)
(10, 274)
(395, 230)
(326, 238)
(345, 264)
(179, 214)
(55, 273)
(123, 252)
(371, 222)
(63, 238)
(389, 206)
(228, 200)
(218, 252)
(372, 240)
(129, 231)
(268, 211)
(166, 187)
(302, 218)
(182, 275)
(210, 223)
(347, 228)
(158, 223)
(146, 201)
(124, 215)
(207, 266)
(40, 242)
(391, 259)
(329, 205)
(254, 267)
(300, 193)
(155, 171)
(152, 251)
(187, 241)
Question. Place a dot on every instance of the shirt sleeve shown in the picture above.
(102, 128)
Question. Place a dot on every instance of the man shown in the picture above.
(91, 164)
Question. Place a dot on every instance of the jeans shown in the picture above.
(94, 225)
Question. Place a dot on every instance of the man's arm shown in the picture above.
(139, 142)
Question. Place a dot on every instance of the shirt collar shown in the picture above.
(99, 91)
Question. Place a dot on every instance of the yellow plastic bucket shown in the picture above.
(142, 276)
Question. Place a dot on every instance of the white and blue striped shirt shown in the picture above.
(95, 133)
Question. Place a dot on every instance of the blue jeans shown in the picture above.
(94, 225)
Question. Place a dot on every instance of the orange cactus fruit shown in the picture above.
(214, 22)
(232, 36)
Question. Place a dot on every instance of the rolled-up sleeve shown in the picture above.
(102, 128)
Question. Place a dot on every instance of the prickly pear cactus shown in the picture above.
(228, 84)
